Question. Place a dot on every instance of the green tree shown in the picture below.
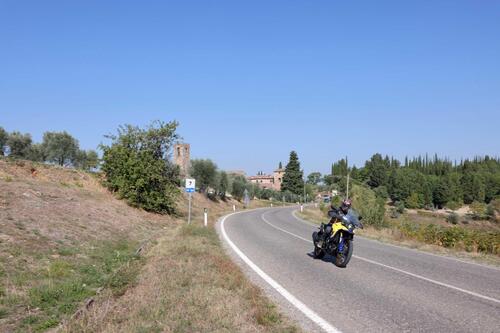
(36, 153)
(314, 178)
(441, 194)
(137, 167)
(340, 168)
(238, 187)
(60, 147)
(19, 144)
(455, 188)
(4, 136)
(377, 170)
(292, 180)
(223, 184)
(86, 160)
(205, 173)
(328, 180)
(92, 161)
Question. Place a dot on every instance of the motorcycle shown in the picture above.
(339, 240)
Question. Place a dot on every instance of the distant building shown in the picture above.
(182, 157)
(237, 173)
(272, 182)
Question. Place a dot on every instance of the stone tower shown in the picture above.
(182, 157)
(278, 178)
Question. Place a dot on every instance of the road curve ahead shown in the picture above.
(383, 289)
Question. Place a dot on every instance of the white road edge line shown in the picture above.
(394, 268)
(294, 214)
(285, 293)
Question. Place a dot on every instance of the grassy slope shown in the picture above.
(394, 236)
(66, 242)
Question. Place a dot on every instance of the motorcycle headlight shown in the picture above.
(350, 226)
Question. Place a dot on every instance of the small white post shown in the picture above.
(205, 217)
(315, 205)
(234, 208)
(301, 208)
(271, 205)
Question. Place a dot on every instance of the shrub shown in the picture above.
(400, 207)
(137, 167)
(478, 210)
(452, 218)
(394, 213)
(369, 206)
(413, 201)
(452, 236)
(453, 205)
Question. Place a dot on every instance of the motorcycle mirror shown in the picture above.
(360, 218)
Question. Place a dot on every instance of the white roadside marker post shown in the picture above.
(301, 208)
(234, 208)
(205, 215)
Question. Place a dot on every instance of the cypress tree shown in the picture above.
(293, 179)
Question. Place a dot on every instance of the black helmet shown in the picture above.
(346, 205)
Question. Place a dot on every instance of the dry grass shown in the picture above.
(187, 285)
(64, 240)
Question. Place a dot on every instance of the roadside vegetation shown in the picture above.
(454, 206)
(75, 258)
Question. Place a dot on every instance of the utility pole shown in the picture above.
(347, 191)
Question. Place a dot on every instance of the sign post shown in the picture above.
(205, 215)
(190, 187)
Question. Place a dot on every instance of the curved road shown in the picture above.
(384, 288)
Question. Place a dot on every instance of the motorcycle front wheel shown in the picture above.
(342, 259)
(318, 252)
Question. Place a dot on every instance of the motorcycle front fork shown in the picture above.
(341, 244)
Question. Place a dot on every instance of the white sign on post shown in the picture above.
(190, 185)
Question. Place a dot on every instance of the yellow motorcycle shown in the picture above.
(337, 239)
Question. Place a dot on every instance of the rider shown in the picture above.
(336, 214)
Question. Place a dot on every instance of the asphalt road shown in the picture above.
(383, 289)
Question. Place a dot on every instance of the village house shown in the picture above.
(272, 182)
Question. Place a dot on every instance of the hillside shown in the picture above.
(75, 258)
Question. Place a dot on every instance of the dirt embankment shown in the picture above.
(67, 244)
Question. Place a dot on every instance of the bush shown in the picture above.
(452, 236)
(369, 206)
(394, 213)
(136, 166)
(400, 207)
(452, 218)
(478, 210)
(413, 201)
(453, 205)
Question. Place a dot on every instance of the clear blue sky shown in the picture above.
(251, 80)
